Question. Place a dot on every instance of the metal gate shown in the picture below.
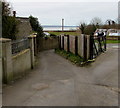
(97, 45)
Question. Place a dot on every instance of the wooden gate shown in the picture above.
(97, 45)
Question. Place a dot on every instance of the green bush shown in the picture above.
(9, 27)
(36, 26)
(9, 23)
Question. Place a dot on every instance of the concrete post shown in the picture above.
(66, 43)
(81, 45)
(88, 46)
(35, 45)
(6, 56)
(31, 41)
(59, 41)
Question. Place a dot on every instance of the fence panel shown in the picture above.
(19, 45)
(72, 44)
(88, 47)
(66, 43)
(81, 45)
(97, 46)
(61, 41)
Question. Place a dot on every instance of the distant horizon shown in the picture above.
(59, 26)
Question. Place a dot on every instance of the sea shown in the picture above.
(59, 28)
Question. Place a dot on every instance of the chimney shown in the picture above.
(14, 13)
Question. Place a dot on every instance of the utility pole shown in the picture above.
(119, 12)
(62, 24)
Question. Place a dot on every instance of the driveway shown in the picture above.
(57, 82)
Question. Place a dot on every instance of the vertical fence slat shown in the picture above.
(63, 42)
(68, 43)
(86, 46)
(76, 45)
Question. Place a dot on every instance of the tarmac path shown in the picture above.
(57, 82)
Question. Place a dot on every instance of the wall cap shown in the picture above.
(5, 40)
(32, 36)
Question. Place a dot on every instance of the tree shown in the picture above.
(34, 23)
(82, 27)
(96, 21)
(9, 23)
(90, 29)
(111, 24)
(87, 29)
(6, 10)
(9, 27)
(36, 26)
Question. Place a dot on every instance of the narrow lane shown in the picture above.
(57, 82)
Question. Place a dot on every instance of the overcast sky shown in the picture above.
(51, 13)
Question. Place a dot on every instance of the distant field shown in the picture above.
(67, 33)
(113, 41)
(77, 34)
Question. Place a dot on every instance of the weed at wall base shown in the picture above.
(71, 57)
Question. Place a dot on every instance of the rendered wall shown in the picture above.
(49, 43)
(21, 63)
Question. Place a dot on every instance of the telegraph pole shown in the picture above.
(62, 24)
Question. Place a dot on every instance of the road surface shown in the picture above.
(57, 82)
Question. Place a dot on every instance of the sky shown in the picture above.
(50, 12)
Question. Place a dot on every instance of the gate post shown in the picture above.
(85, 48)
(63, 42)
(6, 55)
(31, 41)
(68, 43)
(91, 47)
(59, 40)
(35, 45)
(76, 45)
(81, 45)
(105, 43)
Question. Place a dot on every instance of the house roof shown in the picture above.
(22, 18)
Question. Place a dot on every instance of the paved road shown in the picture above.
(57, 82)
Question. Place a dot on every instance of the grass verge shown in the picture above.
(113, 41)
(71, 57)
(68, 33)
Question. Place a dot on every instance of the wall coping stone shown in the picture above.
(32, 36)
(20, 53)
(3, 40)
